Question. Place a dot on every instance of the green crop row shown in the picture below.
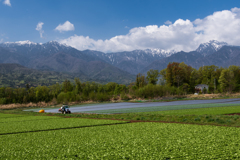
(26, 118)
(198, 111)
(162, 108)
(2, 115)
(126, 141)
(57, 123)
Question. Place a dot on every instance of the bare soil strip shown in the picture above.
(231, 114)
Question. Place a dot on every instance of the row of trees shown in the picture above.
(185, 77)
(176, 79)
(63, 93)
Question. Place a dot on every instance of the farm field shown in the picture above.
(9, 115)
(18, 119)
(39, 123)
(31, 135)
(125, 141)
(164, 109)
(198, 111)
(126, 107)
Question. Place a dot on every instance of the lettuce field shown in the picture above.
(50, 137)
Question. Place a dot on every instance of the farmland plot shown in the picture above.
(198, 111)
(126, 141)
(26, 118)
(162, 108)
(49, 124)
(2, 115)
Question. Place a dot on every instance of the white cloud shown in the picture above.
(181, 35)
(7, 2)
(67, 26)
(168, 22)
(39, 28)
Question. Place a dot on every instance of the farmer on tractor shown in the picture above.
(64, 109)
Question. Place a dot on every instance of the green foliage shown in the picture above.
(176, 79)
(3, 101)
(151, 91)
(227, 80)
(205, 90)
(67, 86)
(42, 93)
(66, 97)
(124, 96)
(178, 73)
(152, 76)
(218, 79)
(125, 141)
(140, 81)
(38, 123)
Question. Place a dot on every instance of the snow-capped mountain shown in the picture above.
(58, 57)
(159, 52)
(21, 42)
(131, 61)
(210, 47)
(134, 62)
(28, 48)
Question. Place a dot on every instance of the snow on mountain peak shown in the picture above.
(26, 42)
(213, 44)
(21, 43)
(161, 52)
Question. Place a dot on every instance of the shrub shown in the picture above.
(124, 96)
(102, 97)
(3, 101)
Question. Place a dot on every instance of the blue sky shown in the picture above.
(115, 25)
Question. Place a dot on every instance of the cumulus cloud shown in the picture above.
(39, 29)
(7, 2)
(183, 35)
(67, 26)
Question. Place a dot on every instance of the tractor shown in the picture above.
(64, 109)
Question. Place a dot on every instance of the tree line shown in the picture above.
(176, 79)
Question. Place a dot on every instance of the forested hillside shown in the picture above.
(176, 79)
(53, 56)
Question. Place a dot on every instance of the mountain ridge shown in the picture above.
(118, 66)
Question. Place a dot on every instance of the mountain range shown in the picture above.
(120, 67)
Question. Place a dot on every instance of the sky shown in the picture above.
(121, 25)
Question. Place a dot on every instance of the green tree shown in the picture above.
(67, 86)
(177, 74)
(42, 93)
(55, 90)
(152, 76)
(78, 88)
(227, 80)
(140, 80)
(162, 74)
